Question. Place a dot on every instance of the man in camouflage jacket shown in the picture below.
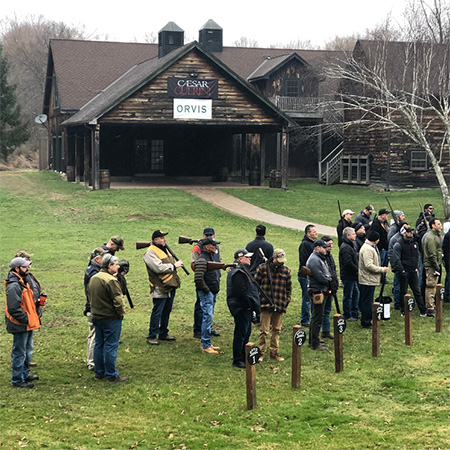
(275, 280)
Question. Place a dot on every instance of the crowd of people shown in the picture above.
(258, 287)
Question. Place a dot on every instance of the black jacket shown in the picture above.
(253, 247)
(340, 228)
(382, 229)
(304, 251)
(446, 251)
(405, 256)
(242, 294)
(348, 260)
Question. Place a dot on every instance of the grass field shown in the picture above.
(177, 397)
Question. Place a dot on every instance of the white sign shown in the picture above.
(192, 108)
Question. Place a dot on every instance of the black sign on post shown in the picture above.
(410, 304)
(192, 88)
(342, 325)
(380, 313)
(300, 338)
(253, 355)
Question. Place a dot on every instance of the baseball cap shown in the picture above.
(118, 241)
(208, 230)
(19, 262)
(97, 252)
(370, 208)
(383, 211)
(209, 240)
(23, 254)
(242, 252)
(158, 233)
(321, 243)
(347, 211)
(279, 255)
(406, 229)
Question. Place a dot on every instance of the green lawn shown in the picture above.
(177, 397)
(308, 200)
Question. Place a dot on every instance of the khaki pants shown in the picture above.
(270, 321)
(430, 289)
(90, 343)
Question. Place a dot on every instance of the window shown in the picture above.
(157, 155)
(293, 87)
(418, 160)
(355, 169)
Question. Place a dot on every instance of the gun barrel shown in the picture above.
(142, 244)
(186, 240)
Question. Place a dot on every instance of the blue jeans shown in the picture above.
(107, 334)
(242, 331)
(396, 292)
(22, 350)
(207, 302)
(326, 313)
(306, 301)
(159, 320)
(198, 317)
(366, 294)
(384, 257)
(350, 299)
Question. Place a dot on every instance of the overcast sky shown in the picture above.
(266, 21)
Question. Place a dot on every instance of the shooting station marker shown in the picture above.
(408, 305)
(339, 328)
(250, 377)
(439, 308)
(298, 339)
(377, 314)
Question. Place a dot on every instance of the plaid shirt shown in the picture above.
(281, 284)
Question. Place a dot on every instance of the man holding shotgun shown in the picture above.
(275, 279)
(164, 281)
(207, 285)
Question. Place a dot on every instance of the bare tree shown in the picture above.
(25, 43)
(403, 88)
(245, 42)
(427, 21)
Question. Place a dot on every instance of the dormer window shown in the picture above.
(293, 87)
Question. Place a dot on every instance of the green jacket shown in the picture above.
(432, 250)
(106, 297)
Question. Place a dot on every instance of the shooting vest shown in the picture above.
(163, 281)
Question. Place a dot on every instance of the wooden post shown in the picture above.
(408, 320)
(77, 158)
(95, 157)
(338, 345)
(250, 379)
(296, 359)
(439, 307)
(284, 157)
(375, 329)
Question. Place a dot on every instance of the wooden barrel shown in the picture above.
(70, 173)
(275, 179)
(105, 179)
(223, 174)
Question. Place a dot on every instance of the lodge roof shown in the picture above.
(84, 68)
(270, 65)
(142, 73)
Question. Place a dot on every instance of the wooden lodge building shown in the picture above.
(198, 110)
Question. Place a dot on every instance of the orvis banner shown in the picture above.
(190, 108)
(192, 88)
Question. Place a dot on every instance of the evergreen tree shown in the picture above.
(13, 132)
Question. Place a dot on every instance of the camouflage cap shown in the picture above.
(23, 254)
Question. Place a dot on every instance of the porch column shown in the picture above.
(243, 157)
(87, 173)
(263, 157)
(284, 157)
(77, 159)
(95, 146)
(67, 154)
(253, 145)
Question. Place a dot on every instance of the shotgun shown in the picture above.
(424, 217)
(260, 289)
(392, 212)
(269, 274)
(213, 265)
(145, 244)
(186, 240)
(127, 293)
(334, 294)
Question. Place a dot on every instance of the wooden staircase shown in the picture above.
(330, 166)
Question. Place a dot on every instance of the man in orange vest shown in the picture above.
(21, 319)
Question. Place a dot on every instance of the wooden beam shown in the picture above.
(439, 308)
(284, 157)
(87, 170)
(376, 329)
(250, 379)
(408, 320)
(96, 157)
